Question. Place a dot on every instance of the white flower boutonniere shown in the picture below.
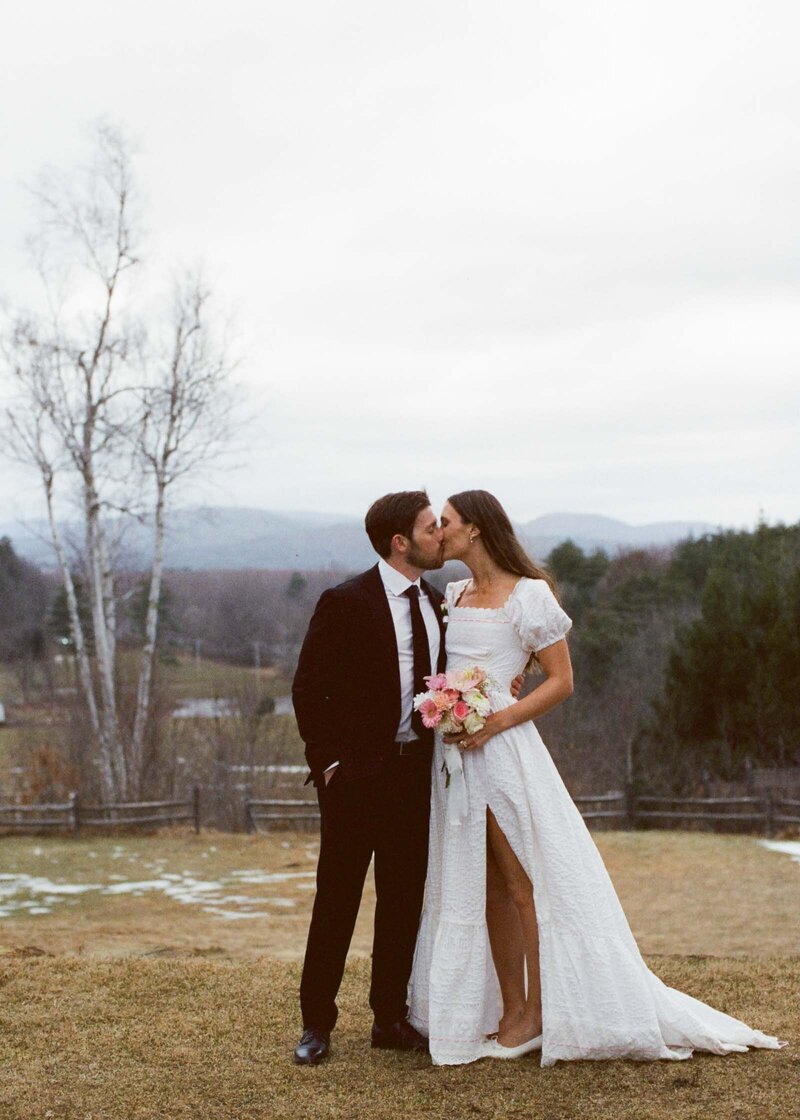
(443, 609)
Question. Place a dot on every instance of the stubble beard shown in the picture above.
(416, 557)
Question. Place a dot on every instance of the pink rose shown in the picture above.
(450, 695)
(436, 682)
(460, 710)
(465, 679)
(430, 713)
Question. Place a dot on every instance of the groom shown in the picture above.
(369, 645)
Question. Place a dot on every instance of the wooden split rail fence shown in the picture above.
(764, 814)
(630, 810)
(73, 815)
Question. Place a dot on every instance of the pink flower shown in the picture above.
(465, 679)
(450, 695)
(436, 682)
(430, 713)
(460, 710)
(445, 698)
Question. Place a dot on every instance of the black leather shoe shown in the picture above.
(312, 1048)
(399, 1036)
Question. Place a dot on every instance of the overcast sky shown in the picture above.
(547, 248)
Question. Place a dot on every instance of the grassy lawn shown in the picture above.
(39, 722)
(9, 688)
(161, 982)
(221, 894)
(187, 679)
(155, 1039)
(183, 678)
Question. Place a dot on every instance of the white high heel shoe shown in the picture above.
(495, 1049)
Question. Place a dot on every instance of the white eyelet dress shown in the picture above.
(599, 999)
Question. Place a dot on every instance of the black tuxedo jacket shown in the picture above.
(346, 690)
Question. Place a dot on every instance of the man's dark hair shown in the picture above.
(391, 514)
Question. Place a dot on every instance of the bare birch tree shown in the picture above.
(108, 412)
(184, 418)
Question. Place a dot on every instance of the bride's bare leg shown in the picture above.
(505, 937)
(518, 886)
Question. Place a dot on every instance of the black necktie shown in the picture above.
(422, 657)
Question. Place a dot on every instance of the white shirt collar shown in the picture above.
(395, 582)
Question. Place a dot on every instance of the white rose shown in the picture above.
(478, 702)
(473, 723)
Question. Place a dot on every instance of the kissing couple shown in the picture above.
(521, 944)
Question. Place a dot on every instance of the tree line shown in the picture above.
(687, 661)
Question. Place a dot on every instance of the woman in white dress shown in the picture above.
(523, 944)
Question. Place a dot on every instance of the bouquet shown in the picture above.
(455, 703)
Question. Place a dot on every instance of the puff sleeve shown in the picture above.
(452, 593)
(536, 615)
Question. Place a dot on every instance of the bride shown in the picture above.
(523, 944)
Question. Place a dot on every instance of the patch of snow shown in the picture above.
(233, 915)
(197, 708)
(37, 894)
(260, 877)
(787, 847)
(127, 888)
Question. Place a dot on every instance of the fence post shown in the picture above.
(74, 809)
(769, 813)
(196, 807)
(630, 804)
(248, 817)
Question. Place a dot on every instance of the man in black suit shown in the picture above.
(370, 642)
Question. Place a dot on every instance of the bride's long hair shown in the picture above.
(482, 509)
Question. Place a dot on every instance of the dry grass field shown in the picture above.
(202, 1040)
(684, 893)
(160, 982)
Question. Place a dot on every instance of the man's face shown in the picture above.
(425, 543)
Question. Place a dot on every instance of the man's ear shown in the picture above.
(400, 542)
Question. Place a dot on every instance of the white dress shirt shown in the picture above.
(395, 584)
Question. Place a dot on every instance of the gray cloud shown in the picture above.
(552, 249)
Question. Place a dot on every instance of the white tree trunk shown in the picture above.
(81, 653)
(103, 646)
(148, 651)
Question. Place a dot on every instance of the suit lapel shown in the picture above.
(375, 594)
(442, 659)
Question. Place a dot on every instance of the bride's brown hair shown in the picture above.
(482, 509)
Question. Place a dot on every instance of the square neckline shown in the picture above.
(491, 610)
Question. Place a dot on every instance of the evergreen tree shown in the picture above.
(732, 685)
(23, 600)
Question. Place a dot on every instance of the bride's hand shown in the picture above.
(495, 723)
(516, 685)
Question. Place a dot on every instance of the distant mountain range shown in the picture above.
(229, 537)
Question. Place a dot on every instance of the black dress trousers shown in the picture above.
(385, 815)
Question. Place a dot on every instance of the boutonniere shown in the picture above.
(443, 609)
